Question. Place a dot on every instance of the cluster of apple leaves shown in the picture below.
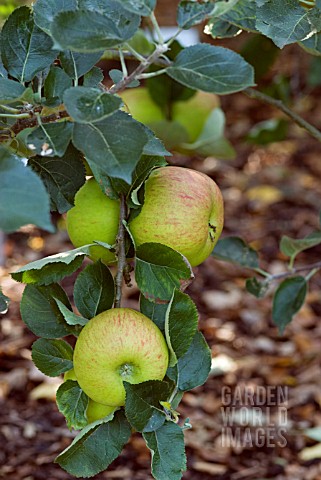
(284, 22)
(290, 294)
(150, 406)
(54, 113)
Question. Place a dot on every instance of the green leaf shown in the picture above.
(314, 433)
(236, 250)
(90, 453)
(288, 299)
(91, 31)
(84, 31)
(78, 64)
(159, 270)
(172, 133)
(144, 167)
(181, 325)
(252, 52)
(3, 71)
(154, 311)
(25, 48)
(284, 23)
(51, 139)
(211, 141)
(10, 90)
(291, 247)
(62, 176)
(241, 16)
(143, 409)
(168, 451)
(312, 44)
(193, 368)
(52, 357)
(93, 78)
(126, 22)
(154, 145)
(116, 75)
(224, 6)
(57, 81)
(164, 90)
(100, 142)
(89, 105)
(140, 7)
(29, 201)
(4, 303)
(191, 13)
(274, 130)
(69, 316)
(211, 69)
(72, 402)
(40, 313)
(53, 268)
(257, 288)
(219, 28)
(46, 10)
(94, 290)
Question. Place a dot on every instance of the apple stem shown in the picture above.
(120, 252)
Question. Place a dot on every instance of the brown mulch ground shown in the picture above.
(247, 350)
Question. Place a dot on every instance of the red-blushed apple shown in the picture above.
(94, 217)
(183, 209)
(115, 346)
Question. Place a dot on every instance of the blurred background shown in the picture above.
(271, 186)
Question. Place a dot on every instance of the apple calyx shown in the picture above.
(212, 232)
(126, 370)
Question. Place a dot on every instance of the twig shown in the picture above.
(30, 122)
(313, 266)
(2, 249)
(160, 49)
(131, 54)
(252, 93)
(121, 252)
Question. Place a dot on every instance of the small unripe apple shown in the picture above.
(141, 105)
(70, 375)
(190, 114)
(94, 217)
(95, 411)
(183, 209)
(193, 113)
(115, 346)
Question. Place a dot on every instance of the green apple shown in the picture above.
(96, 411)
(94, 217)
(115, 346)
(141, 105)
(183, 209)
(193, 113)
(190, 114)
(70, 375)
